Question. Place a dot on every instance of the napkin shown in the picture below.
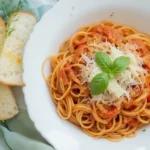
(19, 133)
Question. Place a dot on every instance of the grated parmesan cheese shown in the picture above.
(120, 86)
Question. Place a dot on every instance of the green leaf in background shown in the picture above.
(120, 64)
(103, 61)
(99, 83)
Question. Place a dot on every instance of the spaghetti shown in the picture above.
(106, 115)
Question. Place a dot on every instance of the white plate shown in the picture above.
(56, 25)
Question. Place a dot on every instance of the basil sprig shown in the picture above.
(103, 61)
(100, 81)
(120, 64)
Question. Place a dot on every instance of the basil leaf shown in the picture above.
(103, 61)
(99, 83)
(111, 75)
(120, 64)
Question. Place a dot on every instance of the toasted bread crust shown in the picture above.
(10, 102)
(2, 23)
(24, 26)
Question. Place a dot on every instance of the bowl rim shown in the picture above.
(60, 6)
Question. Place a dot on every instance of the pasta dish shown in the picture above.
(100, 80)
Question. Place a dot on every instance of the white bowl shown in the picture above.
(56, 25)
